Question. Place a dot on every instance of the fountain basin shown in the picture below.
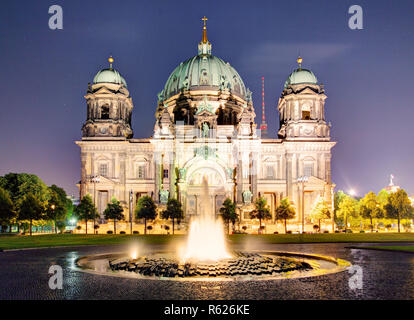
(252, 265)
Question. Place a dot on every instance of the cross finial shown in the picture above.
(300, 60)
(205, 30)
(111, 61)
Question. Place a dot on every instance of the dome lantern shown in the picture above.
(204, 47)
(301, 76)
(109, 75)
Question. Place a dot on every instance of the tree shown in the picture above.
(370, 207)
(7, 212)
(261, 211)
(146, 209)
(320, 211)
(399, 206)
(338, 197)
(55, 208)
(114, 211)
(61, 225)
(347, 208)
(19, 185)
(228, 213)
(285, 212)
(31, 208)
(174, 211)
(86, 210)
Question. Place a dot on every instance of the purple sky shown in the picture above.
(368, 74)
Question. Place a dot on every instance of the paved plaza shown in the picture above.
(386, 275)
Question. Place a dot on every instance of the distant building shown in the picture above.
(392, 187)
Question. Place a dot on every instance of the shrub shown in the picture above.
(78, 227)
(275, 232)
(325, 231)
(122, 232)
(135, 232)
(289, 232)
(109, 232)
(362, 231)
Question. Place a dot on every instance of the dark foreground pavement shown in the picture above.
(386, 275)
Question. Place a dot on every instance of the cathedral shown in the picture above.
(204, 128)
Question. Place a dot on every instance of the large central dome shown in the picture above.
(201, 72)
(204, 71)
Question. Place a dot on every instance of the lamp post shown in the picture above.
(53, 213)
(302, 180)
(131, 195)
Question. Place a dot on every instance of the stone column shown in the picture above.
(83, 191)
(239, 197)
(157, 182)
(254, 175)
(122, 178)
(289, 179)
(172, 175)
(328, 168)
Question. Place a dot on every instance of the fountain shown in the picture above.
(206, 237)
(205, 256)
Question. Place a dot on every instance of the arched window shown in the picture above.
(105, 112)
(103, 170)
(204, 77)
(306, 115)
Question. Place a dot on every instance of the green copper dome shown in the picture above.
(109, 76)
(300, 76)
(204, 71)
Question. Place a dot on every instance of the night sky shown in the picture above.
(368, 74)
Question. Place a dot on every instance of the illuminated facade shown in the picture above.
(205, 127)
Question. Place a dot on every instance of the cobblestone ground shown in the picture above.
(386, 275)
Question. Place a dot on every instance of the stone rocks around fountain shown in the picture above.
(245, 264)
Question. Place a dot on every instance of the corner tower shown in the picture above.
(302, 107)
(109, 106)
(307, 143)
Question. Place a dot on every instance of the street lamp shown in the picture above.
(131, 195)
(53, 215)
(302, 180)
(352, 192)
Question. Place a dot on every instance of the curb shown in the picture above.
(380, 249)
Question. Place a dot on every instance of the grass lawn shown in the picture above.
(52, 240)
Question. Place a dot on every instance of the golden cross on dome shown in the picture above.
(300, 60)
(111, 61)
(205, 30)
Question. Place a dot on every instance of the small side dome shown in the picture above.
(109, 75)
(300, 76)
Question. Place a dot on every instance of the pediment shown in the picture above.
(104, 90)
(315, 181)
(104, 180)
(205, 113)
(307, 90)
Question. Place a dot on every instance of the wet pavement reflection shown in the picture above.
(385, 275)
